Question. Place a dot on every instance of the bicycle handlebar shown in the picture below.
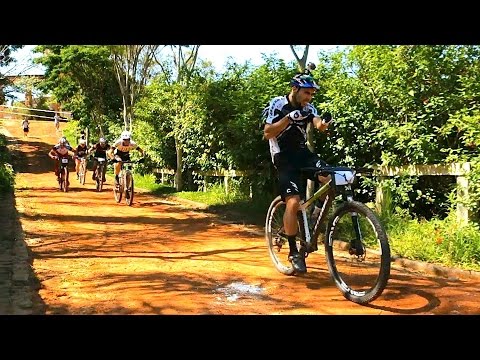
(128, 162)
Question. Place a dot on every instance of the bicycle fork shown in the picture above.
(356, 244)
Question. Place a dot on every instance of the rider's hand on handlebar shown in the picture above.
(326, 117)
(297, 115)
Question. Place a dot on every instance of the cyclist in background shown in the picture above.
(99, 151)
(62, 149)
(286, 119)
(80, 153)
(120, 151)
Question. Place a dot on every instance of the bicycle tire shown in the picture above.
(60, 180)
(99, 178)
(83, 172)
(117, 193)
(277, 243)
(65, 179)
(361, 279)
(129, 188)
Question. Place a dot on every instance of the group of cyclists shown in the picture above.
(119, 151)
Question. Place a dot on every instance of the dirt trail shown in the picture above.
(94, 256)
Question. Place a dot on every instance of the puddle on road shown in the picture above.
(236, 290)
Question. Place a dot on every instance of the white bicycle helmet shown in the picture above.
(102, 141)
(125, 135)
(82, 142)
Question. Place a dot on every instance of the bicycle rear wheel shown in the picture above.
(129, 190)
(358, 256)
(277, 241)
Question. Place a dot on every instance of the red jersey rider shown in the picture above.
(62, 149)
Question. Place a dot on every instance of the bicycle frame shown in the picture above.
(304, 205)
(312, 232)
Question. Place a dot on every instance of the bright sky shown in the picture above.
(217, 54)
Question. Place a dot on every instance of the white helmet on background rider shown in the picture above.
(125, 135)
(82, 142)
(62, 141)
(102, 141)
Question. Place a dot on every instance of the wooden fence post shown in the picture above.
(380, 195)
(462, 195)
(225, 182)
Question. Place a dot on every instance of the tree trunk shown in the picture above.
(178, 172)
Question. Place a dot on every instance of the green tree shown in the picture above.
(133, 67)
(82, 78)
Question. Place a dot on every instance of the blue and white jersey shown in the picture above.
(294, 137)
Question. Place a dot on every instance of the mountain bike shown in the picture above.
(82, 170)
(355, 242)
(125, 182)
(63, 173)
(100, 172)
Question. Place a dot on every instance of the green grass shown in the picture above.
(233, 206)
(442, 242)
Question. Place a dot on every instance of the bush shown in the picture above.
(7, 175)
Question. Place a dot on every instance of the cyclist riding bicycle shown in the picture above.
(62, 149)
(120, 151)
(286, 118)
(99, 151)
(80, 152)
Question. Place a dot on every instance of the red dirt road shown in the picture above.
(94, 256)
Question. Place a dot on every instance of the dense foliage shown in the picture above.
(392, 105)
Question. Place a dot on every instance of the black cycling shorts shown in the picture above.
(291, 181)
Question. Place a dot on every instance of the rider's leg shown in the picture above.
(56, 167)
(116, 168)
(289, 180)
(290, 222)
(77, 165)
(95, 163)
(104, 173)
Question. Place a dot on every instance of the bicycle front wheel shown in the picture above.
(277, 241)
(65, 179)
(99, 178)
(83, 171)
(129, 188)
(358, 253)
(118, 190)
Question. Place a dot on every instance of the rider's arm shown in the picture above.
(272, 130)
(52, 154)
(110, 153)
(320, 124)
(141, 151)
